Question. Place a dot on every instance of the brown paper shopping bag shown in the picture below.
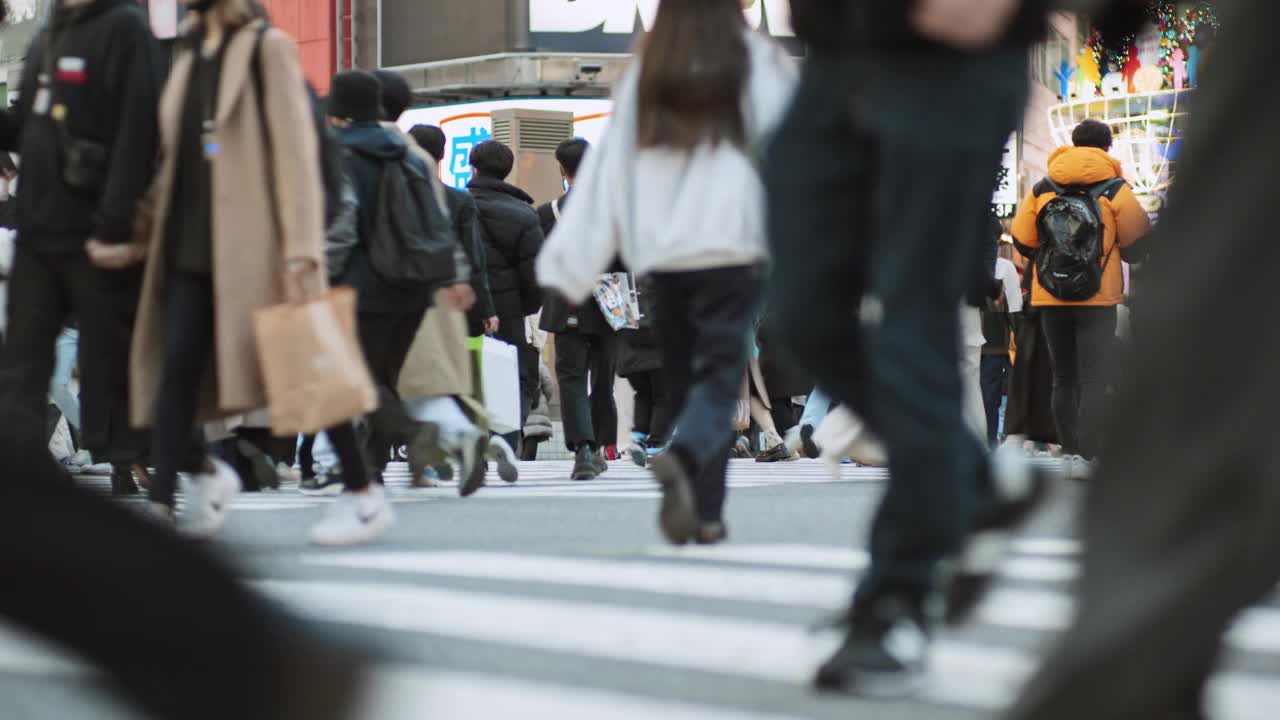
(315, 374)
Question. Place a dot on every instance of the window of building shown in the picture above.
(1048, 57)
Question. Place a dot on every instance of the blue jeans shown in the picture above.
(815, 408)
(68, 348)
(704, 318)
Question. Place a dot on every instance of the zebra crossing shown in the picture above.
(412, 594)
(969, 669)
(547, 479)
(630, 631)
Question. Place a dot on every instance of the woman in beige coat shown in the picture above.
(238, 227)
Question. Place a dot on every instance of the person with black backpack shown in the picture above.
(405, 251)
(1079, 225)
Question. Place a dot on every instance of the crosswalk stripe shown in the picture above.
(962, 673)
(410, 694)
(1024, 609)
(745, 585)
(1024, 565)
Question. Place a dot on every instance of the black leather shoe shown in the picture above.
(585, 465)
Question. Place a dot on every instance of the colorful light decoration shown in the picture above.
(1175, 32)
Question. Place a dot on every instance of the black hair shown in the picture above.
(493, 160)
(569, 154)
(397, 96)
(429, 138)
(1092, 133)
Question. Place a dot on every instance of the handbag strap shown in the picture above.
(269, 158)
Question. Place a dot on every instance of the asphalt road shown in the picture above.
(552, 599)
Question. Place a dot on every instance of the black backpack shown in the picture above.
(412, 238)
(1069, 261)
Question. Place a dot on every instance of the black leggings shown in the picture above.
(189, 332)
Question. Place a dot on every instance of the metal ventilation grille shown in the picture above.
(502, 131)
(542, 135)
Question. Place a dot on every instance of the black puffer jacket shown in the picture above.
(513, 239)
(466, 225)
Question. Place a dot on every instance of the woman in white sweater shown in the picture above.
(675, 192)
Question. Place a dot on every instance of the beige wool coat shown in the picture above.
(251, 240)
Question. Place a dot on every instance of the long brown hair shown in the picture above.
(695, 64)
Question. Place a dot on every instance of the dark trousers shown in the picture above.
(652, 408)
(896, 200)
(386, 339)
(995, 383)
(188, 351)
(1080, 342)
(47, 289)
(1183, 518)
(143, 577)
(705, 318)
(585, 366)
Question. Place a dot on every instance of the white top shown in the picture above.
(667, 210)
(1007, 273)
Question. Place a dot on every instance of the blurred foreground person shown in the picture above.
(673, 188)
(891, 151)
(1182, 522)
(85, 128)
(223, 649)
(239, 226)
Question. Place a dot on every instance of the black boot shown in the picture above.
(122, 482)
(585, 464)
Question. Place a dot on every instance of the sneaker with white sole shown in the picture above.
(207, 499)
(1078, 468)
(501, 453)
(355, 518)
(327, 483)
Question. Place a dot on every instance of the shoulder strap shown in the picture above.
(1046, 186)
(1108, 189)
(555, 208)
(259, 89)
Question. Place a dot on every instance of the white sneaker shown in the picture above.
(82, 459)
(355, 518)
(501, 453)
(288, 475)
(843, 434)
(207, 500)
(1078, 468)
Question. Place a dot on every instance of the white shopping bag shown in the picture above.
(500, 385)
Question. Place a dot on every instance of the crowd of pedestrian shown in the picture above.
(780, 259)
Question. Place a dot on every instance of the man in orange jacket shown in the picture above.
(1080, 326)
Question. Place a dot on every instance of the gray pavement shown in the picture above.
(553, 599)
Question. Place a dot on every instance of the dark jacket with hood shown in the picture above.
(369, 148)
(466, 225)
(513, 237)
(105, 68)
